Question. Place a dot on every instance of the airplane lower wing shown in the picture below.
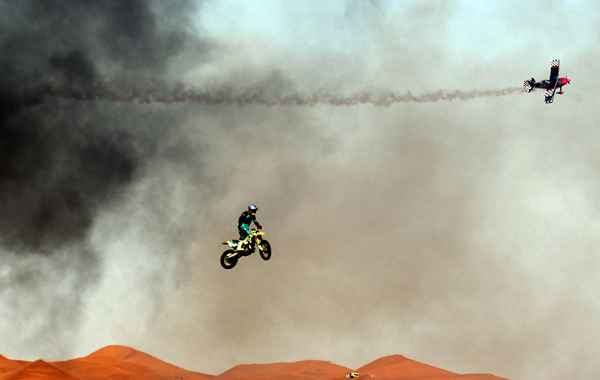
(550, 95)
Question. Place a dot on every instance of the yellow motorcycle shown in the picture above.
(246, 247)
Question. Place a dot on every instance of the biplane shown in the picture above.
(550, 85)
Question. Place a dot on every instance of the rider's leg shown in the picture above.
(243, 233)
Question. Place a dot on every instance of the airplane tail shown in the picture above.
(529, 84)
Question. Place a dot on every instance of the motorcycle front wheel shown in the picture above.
(265, 250)
(229, 259)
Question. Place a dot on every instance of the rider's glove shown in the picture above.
(260, 227)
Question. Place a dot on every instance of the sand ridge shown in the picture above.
(307, 370)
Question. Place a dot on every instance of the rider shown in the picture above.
(245, 219)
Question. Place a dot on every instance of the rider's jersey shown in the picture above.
(246, 218)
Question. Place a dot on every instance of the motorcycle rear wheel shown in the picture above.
(228, 261)
(265, 251)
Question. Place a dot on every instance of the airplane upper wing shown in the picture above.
(554, 65)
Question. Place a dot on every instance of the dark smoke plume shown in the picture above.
(62, 162)
(58, 163)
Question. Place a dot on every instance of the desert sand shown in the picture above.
(125, 363)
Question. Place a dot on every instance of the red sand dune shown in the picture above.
(399, 367)
(125, 363)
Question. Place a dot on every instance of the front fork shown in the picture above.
(259, 241)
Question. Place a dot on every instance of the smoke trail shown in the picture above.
(258, 96)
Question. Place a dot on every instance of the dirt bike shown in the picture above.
(246, 247)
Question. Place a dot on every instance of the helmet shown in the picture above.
(253, 209)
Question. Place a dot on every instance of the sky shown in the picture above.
(458, 233)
